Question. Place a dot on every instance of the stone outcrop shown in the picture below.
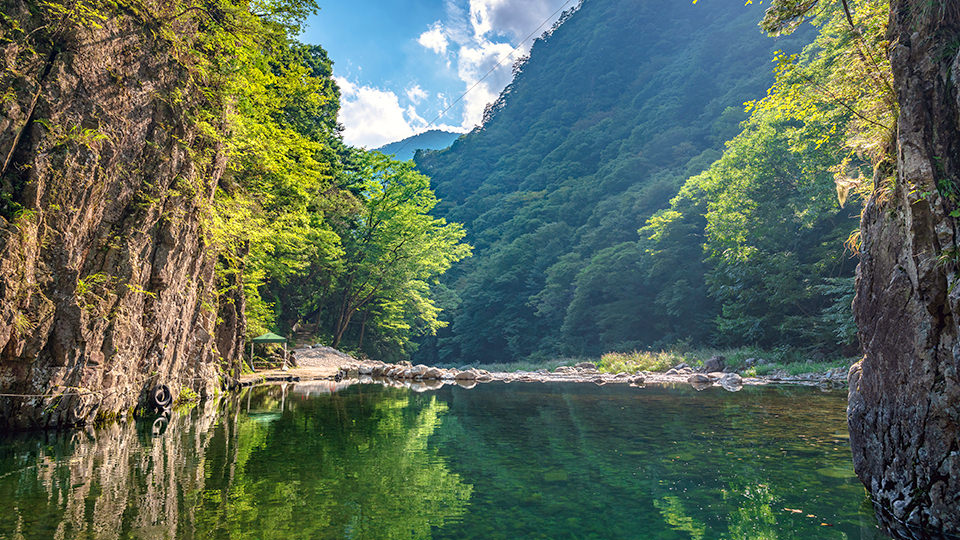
(106, 287)
(904, 407)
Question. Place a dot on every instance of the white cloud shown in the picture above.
(473, 63)
(373, 117)
(416, 119)
(416, 94)
(513, 18)
(434, 39)
(483, 34)
(473, 37)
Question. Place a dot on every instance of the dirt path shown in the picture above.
(311, 364)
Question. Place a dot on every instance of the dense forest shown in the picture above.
(339, 241)
(620, 193)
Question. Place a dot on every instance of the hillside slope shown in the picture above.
(612, 112)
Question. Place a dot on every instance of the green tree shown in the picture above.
(392, 250)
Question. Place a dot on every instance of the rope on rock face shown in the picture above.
(82, 392)
(88, 393)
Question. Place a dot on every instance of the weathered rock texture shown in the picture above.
(904, 409)
(106, 285)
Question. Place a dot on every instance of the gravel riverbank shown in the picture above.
(319, 363)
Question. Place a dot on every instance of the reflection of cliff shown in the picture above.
(346, 465)
(112, 483)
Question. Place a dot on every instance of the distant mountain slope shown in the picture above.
(435, 139)
(611, 113)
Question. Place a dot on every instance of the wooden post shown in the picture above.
(284, 367)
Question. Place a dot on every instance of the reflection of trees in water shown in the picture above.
(349, 465)
(354, 465)
(622, 463)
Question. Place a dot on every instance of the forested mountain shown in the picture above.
(434, 139)
(612, 113)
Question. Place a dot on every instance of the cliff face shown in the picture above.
(106, 287)
(904, 409)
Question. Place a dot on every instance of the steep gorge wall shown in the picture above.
(904, 409)
(106, 283)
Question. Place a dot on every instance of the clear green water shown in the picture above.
(495, 461)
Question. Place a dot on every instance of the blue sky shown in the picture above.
(400, 63)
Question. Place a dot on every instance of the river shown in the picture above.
(508, 461)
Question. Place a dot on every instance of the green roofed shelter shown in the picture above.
(269, 337)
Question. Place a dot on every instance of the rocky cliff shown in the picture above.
(904, 409)
(106, 283)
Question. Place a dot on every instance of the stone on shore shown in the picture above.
(714, 363)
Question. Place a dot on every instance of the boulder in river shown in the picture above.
(468, 375)
(731, 382)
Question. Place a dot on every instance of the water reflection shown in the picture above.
(113, 483)
(499, 461)
(354, 466)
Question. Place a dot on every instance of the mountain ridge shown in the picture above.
(434, 139)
